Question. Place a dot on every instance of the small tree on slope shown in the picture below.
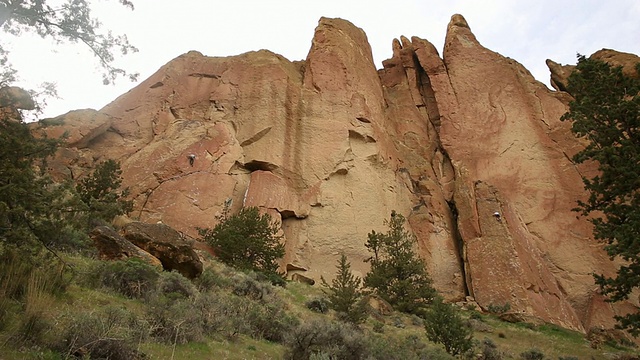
(247, 241)
(345, 295)
(100, 192)
(397, 273)
(445, 326)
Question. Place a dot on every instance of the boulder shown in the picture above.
(112, 246)
(12, 100)
(297, 277)
(173, 250)
(17, 98)
(379, 306)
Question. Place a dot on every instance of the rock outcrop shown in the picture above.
(168, 245)
(112, 246)
(12, 100)
(329, 146)
(560, 73)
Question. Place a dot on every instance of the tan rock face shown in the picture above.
(616, 58)
(560, 73)
(330, 146)
(80, 127)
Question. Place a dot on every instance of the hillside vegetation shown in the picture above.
(130, 310)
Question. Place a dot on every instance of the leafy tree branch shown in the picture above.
(72, 21)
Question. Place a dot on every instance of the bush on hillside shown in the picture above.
(333, 339)
(445, 326)
(109, 334)
(132, 278)
(489, 350)
(175, 283)
(247, 240)
(409, 348)
(397, 274)
(319, 305)
(210, 280)
(175, 320)
(532, 354)
(345, 294)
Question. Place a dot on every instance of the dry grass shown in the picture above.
(242, 348)
(514, 339)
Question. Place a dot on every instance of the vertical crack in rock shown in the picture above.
(293, 131)
(427, 93)
(459, 245)
(147, 194)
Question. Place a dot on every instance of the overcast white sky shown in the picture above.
(525, 30)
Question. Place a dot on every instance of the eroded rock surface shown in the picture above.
(112, 246)
(329, 146)
(168, 245)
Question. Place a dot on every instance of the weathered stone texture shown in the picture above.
(168, 245)
(112, 246)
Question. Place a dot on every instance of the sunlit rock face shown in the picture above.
(469, 147)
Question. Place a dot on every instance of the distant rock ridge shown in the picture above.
(329, 146)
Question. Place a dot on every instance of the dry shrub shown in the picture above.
(26, 294)
(532, 354)
(132, 278)
(270, 321)
(211, 280)
(38, 300)
(17, 270)
(111, 334)
(319, 305)
(231, 315)
(409, 348)
(175, 320)
(175, 283)
(249, 286)
(325, 338)
(489, 350)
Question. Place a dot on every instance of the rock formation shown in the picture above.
(112, 246)
(560, 73)
(329, 146)
(167, 245)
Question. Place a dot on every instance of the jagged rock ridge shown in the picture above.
(330, 145)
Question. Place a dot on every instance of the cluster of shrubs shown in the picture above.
(177, 311)
(325, 339)
(223, 304)
(180, 311)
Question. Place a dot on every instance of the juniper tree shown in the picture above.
(445, 326)
(101, 192)
(345, 294)
(606, 112)
(31, 204)
(397, 273)
(247, 240)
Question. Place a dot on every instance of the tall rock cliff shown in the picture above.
(330, 146)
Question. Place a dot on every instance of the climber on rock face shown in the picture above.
(192, 158)
(497, 215)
